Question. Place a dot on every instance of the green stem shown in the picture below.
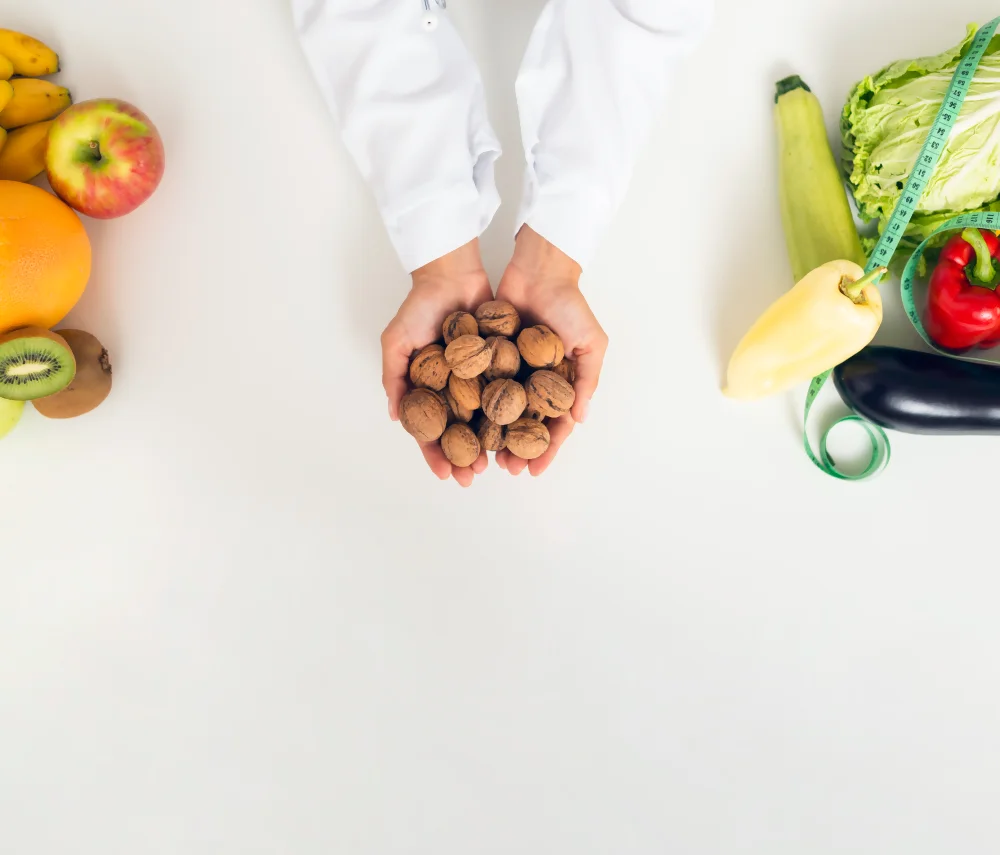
(983, 270)
(789, 84)
(852, 290)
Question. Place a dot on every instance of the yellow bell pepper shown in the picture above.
(830, 314)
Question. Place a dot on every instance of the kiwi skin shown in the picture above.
(90, 386)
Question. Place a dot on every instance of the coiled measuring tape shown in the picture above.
(888, 243)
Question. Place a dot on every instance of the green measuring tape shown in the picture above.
(887, 245)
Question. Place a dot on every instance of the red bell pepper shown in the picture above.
(963, 307)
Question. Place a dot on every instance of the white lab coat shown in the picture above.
(409, 103)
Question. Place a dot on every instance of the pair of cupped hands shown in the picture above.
(543, 284)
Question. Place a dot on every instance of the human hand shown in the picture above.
(543, 283)
(454, 281)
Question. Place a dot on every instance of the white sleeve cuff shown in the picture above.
(573, 221)
(443, 222)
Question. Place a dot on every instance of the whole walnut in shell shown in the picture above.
(504, 401)
(567, 370)
(459, 412)
(549, 394)
(527, 439)
(506, 360)
(460, 445)
(429, 370)
(467, 392)
(468, 356)
(458, 324)
(498, 317)
(423, 414)
(540, 347)
(531, 413)
(492, 437)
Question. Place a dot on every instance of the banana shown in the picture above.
(33, 101)
(6, 93)
(23, 157)
(30, 57)
(6, 68)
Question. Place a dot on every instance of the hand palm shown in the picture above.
(417, 324)
(556, 301)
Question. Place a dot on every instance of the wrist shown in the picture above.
(464, 262)
(538, 259)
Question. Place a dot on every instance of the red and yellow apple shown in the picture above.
(104, 158)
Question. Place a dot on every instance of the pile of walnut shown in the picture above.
(477, 390)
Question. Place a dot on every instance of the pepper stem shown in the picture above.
(852, 290)
(983, 270)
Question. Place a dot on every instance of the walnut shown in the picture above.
(504, 401)
(423, 414)
(460, 445)
(540, 347)
(459, 412)
(531, 413)
(468, 356)
(549, 394)
(527, 439)
(458, 323)
(467, 392)
(506, 360)
(498, 317)
(492, 437)
(429, 369)
(567, 370)
(450, 415)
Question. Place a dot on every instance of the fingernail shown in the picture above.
(392, 415)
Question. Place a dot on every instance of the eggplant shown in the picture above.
(917, 392)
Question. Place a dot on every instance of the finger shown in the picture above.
(439, 464)
(395, 366)
(480, 463)
(463, 474)
(559, 431)
(515, 465)
(501, 458)
(588, 373)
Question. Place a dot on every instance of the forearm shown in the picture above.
(593, 79)
(410, 108)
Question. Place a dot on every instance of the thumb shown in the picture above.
(395, 366)
(588, 374)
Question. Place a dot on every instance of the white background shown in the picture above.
(238, 616)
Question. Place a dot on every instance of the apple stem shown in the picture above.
(95, 149)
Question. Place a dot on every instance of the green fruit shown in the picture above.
(10, 415)
(34, 363)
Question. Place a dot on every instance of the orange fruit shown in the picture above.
(44, 257)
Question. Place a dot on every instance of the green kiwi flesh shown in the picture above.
(34, 363)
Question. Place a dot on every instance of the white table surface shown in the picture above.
(238, 616)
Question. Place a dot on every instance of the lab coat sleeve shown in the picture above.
(410, 108)
(593, 78)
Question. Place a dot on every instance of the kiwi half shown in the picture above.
(90, 386)
(34, 363)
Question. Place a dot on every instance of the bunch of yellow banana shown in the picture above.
(27, 104)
